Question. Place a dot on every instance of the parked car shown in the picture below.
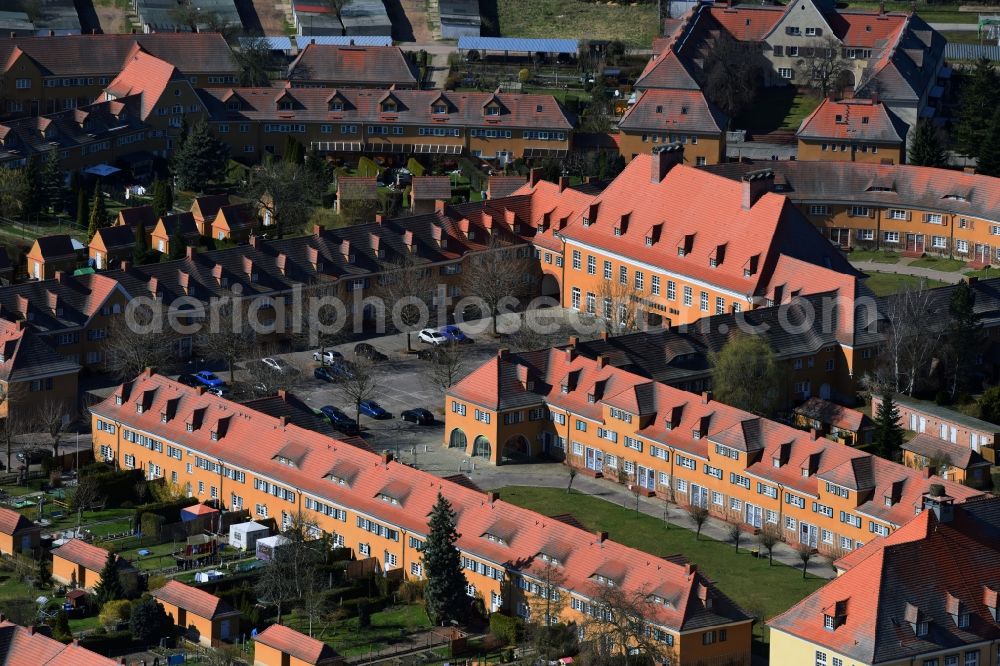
(327, 357)
(365, 350)
(221, 391)
(339, 420)
(432, 336)
(33, 457)
(278, 365)
(373, 409)
(188, 380)
(455, 334)
(418, 415)
(207, 378)
(324, 373)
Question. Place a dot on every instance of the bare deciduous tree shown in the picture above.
(13, 192)
(822, 65)
(499, 274)
(52, 420)
(619, 306)
(11, 428)
(769, 537)
(546, 606)
(130, 349)
(360, 384)
(618, 630)
(448, 366)
(227, 335)
(734, 529)
(912, 338)
(285, 191)
(407, 287)
(805, 553)
(86, 494)
(699, 515)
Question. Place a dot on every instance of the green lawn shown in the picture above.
(890, 283)
(750, 582)
(939, 264)
(877, 256)
(946, 13)
(984, 273)
(634, 24)
(347, 638)
(777, 108)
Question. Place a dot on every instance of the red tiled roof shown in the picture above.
(145, 74)
(748, 24)
(193, 600)
(497, 385)
(686, 207)
(351, 65)
(356, 188)
(933, 568)
(12, 522)
(853, 120)
(22, 646)
(85, 554)
(298, 645)
(370, 474)
(866, 29)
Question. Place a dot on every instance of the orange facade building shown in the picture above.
(378, 508)
(852, 130)
(690, 449)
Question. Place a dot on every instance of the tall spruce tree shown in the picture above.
(34, 199)
(445, 594)
(163, 198)
(140, 250)
(98, 212)
(110, 585)
(979, 100)
(988, 162)
(200, 160)
(963, 338)
(53, 181)
(927, 149)
(81, 207)
(178, 248)
(888, 435)
(295, 152)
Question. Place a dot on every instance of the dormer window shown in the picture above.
(713, 262)
(776, 462)
(190, 426)
(681, 252)
(285, 105)
(214, 436)
(618, 231)
(684, 110)
(591, 398)
(888, 500)
(659, 108)
(118, 400)
(336, 105)
(339, 480)
(138, 409)
(839, 118)
(388, 498)
(963, 620)
(494, 538)
(696, 434)
(649, 241)
(805, 472)
(586, 221)
(440, 108)
(233, 106)
(388, 106)
(922, 628)
(493, 110)
(828, 622)
(163, 417)
(864, 121)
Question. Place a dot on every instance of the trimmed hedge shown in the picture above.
(170, 511)
(508, 629)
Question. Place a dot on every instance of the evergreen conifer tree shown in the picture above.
(52, 182)
(963, 337)
(178, 248)
(445, 594)
(927, 149)
(200, 160)
(140, 251)
(979, 100)
(989, 151)
(109, 587)
(888, 436)
(98, 212)
(34, 200)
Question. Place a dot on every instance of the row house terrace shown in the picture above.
(377, 508)
(103, 132)
(908, 209)
(45, 75)
(690, 449)
(255, 121)
(33, 376)
(679, 243)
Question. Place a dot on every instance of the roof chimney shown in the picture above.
(601, 361)
(190, 251)
(602, 536)
(534, 176)
(439, 205)
(502, 352)
(706, 397)
(563, 183)
(253, 241)
(317, 230)
(755, 185)
(126, 264)
(52, 33)
(574, 340)
(813, 434)
(284, 420)
(690, 568)
(386, 457)
(379, 218)
(664, 159)
(492, 496)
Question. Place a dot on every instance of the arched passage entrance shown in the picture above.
(457, 440)
(516, 450)
(550, 286)
(481, 448)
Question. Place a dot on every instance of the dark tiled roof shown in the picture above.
(26, 356)
(673, 111)
(836, 415)
(53, 247)
(414, 107)
(432, 188)
(105, 54)
(936, 449)
(351, 65)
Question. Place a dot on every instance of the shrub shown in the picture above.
(115, 612)
(169, 510)
(412, 591)
(367, 168)
(524, 75)
(364, 615)
(415, 167)
(508, 629)
(156, 582)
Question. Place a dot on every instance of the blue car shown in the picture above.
(339, 420)
(374, 410)
(208, 378)
(455, 334)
